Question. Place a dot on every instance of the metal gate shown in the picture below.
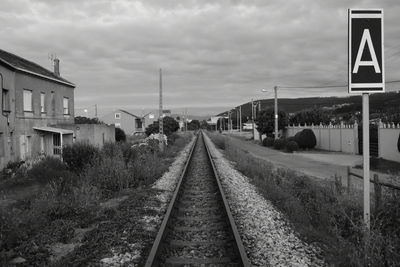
(373, 140)
(56, 144)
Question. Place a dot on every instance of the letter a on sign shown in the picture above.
(366, 61)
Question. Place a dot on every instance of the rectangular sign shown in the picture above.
(366, 57)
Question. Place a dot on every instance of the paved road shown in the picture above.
(316, 164)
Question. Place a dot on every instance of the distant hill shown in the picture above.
(378, 103)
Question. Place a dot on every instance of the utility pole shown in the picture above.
(276, 111)
(95, 111)
(229, 120)
(185, 119)
(240, 118)
(252, 116)
(160, 117)
(237, 119)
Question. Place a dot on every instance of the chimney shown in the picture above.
(57, 67)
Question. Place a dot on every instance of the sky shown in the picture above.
(213, 54)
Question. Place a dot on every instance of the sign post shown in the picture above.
(366, 75)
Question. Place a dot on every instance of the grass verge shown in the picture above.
(322, 214)
(68, 200)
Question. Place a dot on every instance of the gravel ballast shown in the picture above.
(266, 233)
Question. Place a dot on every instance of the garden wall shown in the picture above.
(388, 135)
(340, 138)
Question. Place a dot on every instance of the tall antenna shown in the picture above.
(160, 118)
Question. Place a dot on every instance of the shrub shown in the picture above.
(109, 172)
(306, 139)
(79, 155)
(292, 146)
(279, 144)
(48, 169)
(120, 135)
(268, 141)
(290, 138)
(398, 144)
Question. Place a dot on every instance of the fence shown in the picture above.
(377, 188)
(340, 138)
(388, 136)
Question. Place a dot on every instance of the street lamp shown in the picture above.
(275, 109)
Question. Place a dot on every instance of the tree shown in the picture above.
(120, 135)
(266, 123)
(315, 116)
(193, 125)
(204, 125)
(85, 120)
(170, 125)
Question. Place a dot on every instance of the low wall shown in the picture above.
(340, 138)
(388, 135)
(94, 134)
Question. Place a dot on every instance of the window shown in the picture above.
(42, 98)
(6, 100)
(118, 125)
(117, 116)
(28, 100)
(65, 104)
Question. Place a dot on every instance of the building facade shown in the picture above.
(130, 123)
(34, 101)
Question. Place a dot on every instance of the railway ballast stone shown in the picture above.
(266, 233)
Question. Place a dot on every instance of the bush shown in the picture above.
(290, 138)
(268, 141)
(279, 144)
(48, 169)
(398, 144)
(79, 155)
(120, 135)
(306, 139)
(292, 146)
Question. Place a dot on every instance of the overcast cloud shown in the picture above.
(213, 53)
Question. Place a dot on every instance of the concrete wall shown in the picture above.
(8, 140)
(127, 122)
(18, 139)
(340, 138)
(388, 135)
(28, 140)
(94, 134)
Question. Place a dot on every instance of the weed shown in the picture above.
(321, 214)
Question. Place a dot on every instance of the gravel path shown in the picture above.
(265, 232)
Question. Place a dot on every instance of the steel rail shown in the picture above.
(152, 258)
(239, 243)
(161, 233)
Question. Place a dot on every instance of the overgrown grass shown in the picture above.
(321, 213)
(69, 199)
(384, 166)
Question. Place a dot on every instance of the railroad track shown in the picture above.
(198, 228)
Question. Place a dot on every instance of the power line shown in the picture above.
(324, 86)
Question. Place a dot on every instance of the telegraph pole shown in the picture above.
(252, 116)
(237, 119)
(160, 116)
(240, 118)
(276, 111)
(95, 110)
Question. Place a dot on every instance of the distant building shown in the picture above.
(130, 123)
(34, 102)
(95, 134)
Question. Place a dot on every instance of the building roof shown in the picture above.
(53, 130)
(122, 110)
(20, 64)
